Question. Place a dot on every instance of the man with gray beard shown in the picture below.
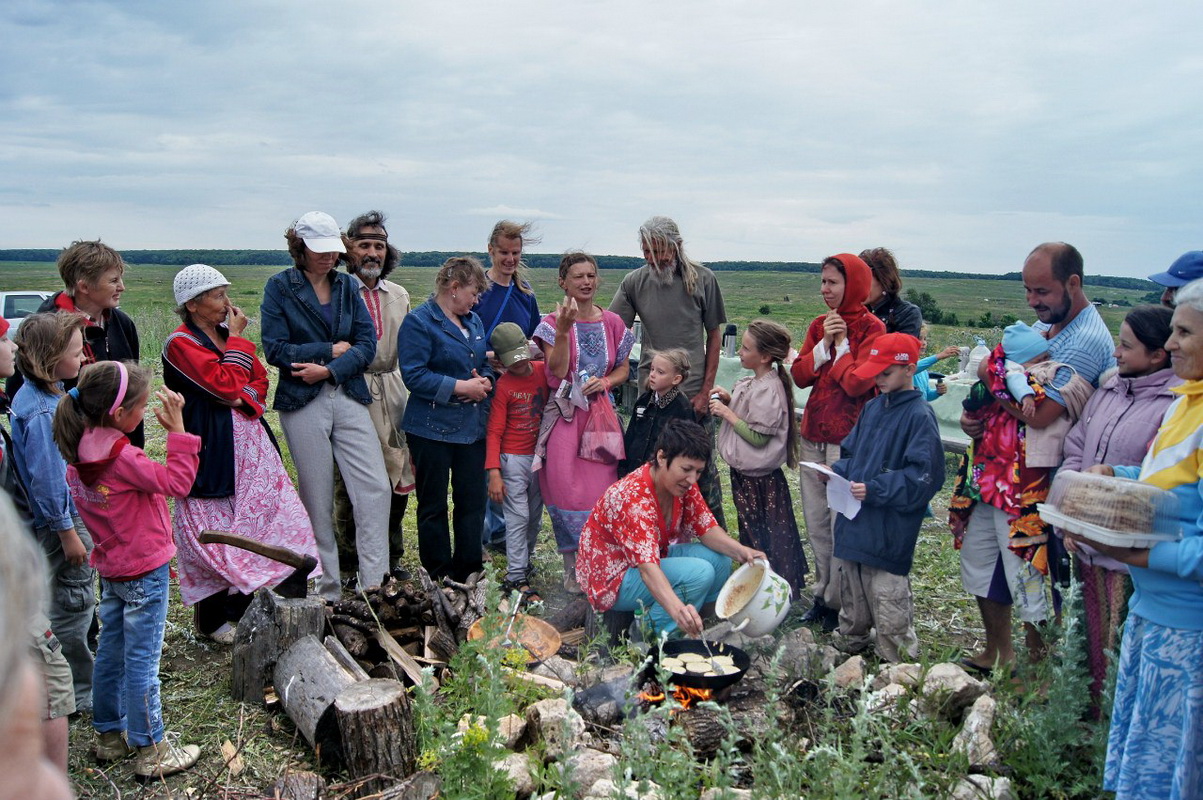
(680, 305)
(369, 259)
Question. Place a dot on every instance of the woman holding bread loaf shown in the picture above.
(1116, 426)
(1155, 748)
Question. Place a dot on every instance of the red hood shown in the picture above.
(91, 471)
(857, 278)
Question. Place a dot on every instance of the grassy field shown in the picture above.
(195, 674)
(148, 293)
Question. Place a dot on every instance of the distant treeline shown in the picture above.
(236, 258)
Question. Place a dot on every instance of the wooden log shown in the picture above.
(419, 786)
(703, 729)
(377, 726)
(308, 679)
(402, 659)
(269, 627)
(353, 639)
(344, 659)
(440, 644)
(299, 786)
(538, 680)
(570, 616)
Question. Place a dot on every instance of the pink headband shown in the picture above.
(121, 387)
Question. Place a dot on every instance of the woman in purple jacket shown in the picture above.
(1116, 427)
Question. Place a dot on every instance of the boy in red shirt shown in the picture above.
(513, 429)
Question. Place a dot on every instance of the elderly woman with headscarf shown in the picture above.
(318, 333)
(241, 485)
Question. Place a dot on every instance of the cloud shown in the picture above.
(773, 130)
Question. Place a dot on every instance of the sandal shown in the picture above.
(528, 595)
(976, 670)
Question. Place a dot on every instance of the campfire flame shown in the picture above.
(687, 696)
(651, 695)
(684, 695)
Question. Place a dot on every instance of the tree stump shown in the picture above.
(270, 625)
(308, 679)
(376, 722)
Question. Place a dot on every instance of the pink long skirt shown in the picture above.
(265, 506)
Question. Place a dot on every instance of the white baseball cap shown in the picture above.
(320, 232)
(194, 280)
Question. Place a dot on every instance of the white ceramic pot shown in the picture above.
(755, 599)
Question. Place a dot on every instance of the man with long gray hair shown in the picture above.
(680, 305)
(369, 259)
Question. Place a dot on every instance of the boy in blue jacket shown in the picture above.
(895, 462)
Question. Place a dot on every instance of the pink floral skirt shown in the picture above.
(265, 506)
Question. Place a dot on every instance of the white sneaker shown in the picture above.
(224, 634)
(164, 758)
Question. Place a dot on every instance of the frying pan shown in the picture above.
(712, 682)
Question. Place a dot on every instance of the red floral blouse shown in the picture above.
(626, 529)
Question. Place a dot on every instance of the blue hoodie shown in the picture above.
(895, 450)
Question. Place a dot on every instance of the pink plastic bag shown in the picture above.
(602, 438)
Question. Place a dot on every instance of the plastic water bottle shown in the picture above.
(979, 353)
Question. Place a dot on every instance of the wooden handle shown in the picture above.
(274, 552)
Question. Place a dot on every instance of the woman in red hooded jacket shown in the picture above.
(836, 344)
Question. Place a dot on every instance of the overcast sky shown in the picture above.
(960, 135)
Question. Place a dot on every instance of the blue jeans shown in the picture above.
(494, 531)
(696, 574)
(125, 682)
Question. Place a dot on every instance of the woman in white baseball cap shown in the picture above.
(241, 485)
(319, 334)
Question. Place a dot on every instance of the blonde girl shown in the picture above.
(50, 351)
(757, 436)
(653, 409)
(121, 494)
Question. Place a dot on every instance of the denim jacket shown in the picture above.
(434, 354)
(41, 466)
(294, 331)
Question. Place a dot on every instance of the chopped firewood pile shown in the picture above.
(426, 621)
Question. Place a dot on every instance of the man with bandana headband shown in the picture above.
(369, 259)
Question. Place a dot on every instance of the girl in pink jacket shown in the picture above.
(121, 495)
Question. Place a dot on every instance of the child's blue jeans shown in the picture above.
(696, 574)
(125, 682)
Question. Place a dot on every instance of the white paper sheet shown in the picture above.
(839, 491)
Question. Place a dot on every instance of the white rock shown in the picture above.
(983, 787)
(947, 689)
(556, 724)
(517, 766)
(559, 668)
(974, 737)
(587, 767)
(886, 698)
(606, 789)
(850, 674)
(906, 674)
(509, 728)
